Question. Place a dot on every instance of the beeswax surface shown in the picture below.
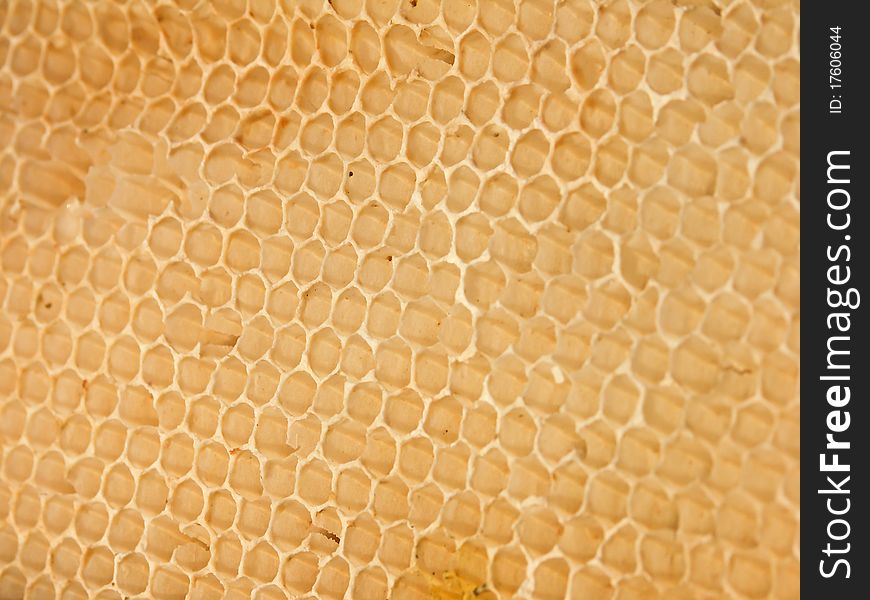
(399, 299)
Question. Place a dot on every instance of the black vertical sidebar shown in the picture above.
(835, 369)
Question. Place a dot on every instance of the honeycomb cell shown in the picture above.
(133, 573)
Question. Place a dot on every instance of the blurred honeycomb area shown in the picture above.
(406, 299)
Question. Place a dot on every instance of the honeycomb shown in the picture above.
(399, 299)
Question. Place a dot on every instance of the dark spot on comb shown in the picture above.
(328, 535)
